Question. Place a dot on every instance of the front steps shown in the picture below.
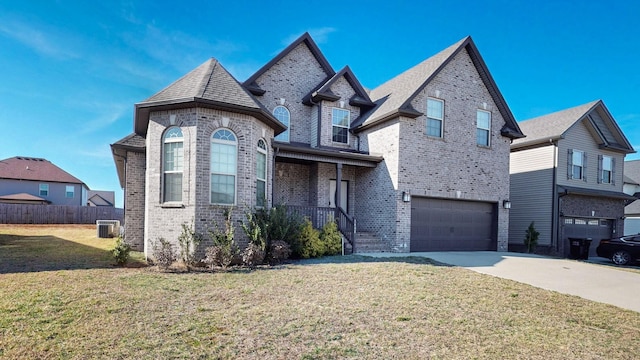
(367, 242)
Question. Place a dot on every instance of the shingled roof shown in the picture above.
(132, 142)
(323, 91)
(632, 172)
(554, 126)
(35, 169)
(209, 85)
(393, 98)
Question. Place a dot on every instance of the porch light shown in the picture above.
(406, 196)
(506, 204)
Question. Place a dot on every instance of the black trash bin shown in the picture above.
(579, 248)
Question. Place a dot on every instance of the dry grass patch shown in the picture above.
(350, 307)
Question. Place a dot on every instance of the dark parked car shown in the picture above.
(622, 250)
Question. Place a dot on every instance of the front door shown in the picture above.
(344, 194)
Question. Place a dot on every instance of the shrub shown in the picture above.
(253, 255)
(279, 224)
(331, 238)
(121, 251)
(224, 248)
(279, 251)
(531, 237)
(254, 231)
(163, 253)
(310, 244)
(189, 240)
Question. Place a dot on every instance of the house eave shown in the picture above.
(142, 111)
(406, 112)
(326, 155)
(571, 190)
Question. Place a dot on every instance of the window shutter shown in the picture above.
(613, 171)
(584, 166)
(570, 164)
(600, 167)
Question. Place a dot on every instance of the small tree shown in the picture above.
(189, 240)
(531, 237)
(121, 252)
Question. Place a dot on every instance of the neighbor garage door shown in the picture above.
(595, 229)
(452, 225)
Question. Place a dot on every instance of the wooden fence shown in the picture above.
(57, 214)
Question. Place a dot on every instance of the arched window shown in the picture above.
(282, 114)
(261, 174)
(172, 164)
(224, 159)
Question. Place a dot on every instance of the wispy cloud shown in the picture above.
(46, 42)
(319, 35)
(105, 119)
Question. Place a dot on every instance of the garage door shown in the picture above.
(596, 229)
(452, 225)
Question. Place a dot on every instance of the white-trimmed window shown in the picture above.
(577, 161)
(44, 190)
(284, 116)
(172, 164)
(483, 128)
(606, 169)
(341, 119)
(435, 117)
(261, 174)
(224, 160)
(69, 191)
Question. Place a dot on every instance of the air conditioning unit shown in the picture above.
(107, 228)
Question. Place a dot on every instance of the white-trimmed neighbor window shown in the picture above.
(224, 160)
(172, 164)
(577, 164)
(435, 117)
(606, 169)
(340, 119)
(284, 116)
(69, 191)
(44, 190)
(261, 174)
(483, 128)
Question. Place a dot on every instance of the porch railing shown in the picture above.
(319, 216)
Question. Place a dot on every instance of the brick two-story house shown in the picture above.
(419, 163)
(567, 177)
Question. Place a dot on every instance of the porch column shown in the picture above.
(338, 187)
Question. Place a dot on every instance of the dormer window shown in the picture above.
(340, 119)
(284, 116)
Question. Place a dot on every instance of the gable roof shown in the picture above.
(209, 85)
(98, 200)
(251, 85)
(393, 98)
(632, 172)
(323, 91)
(554, 126)
(23, 198)
(35, 169)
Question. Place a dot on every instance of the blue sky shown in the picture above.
(70, 71)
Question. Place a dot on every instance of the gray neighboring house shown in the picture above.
(567, 177)
(29, 180)
(632, 187)
(420, 162)
(101, 198)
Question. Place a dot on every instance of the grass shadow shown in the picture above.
(28, 253)
(353, 259)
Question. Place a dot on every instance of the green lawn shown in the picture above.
(61, 298)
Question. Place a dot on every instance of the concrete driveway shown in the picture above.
(606, 284)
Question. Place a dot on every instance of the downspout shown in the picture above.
(555, 209)
(273, 174)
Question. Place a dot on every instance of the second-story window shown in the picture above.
(44, 189)
(577, 164)
(483, 125)
(69, 191)
(282, 114)
(340, 118)
(435, 117)
(606, 169)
